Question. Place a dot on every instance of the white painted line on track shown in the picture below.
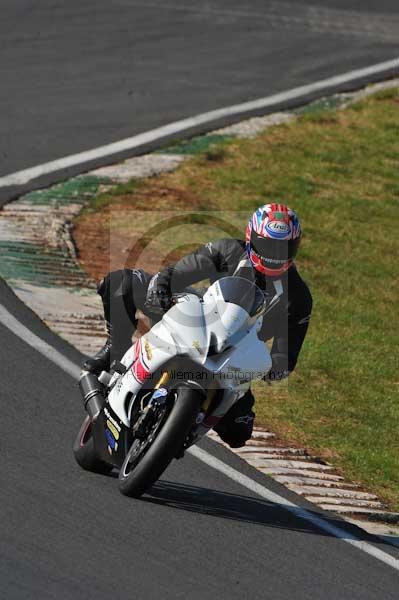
(298, 511)
(26, 175)
(7, 319)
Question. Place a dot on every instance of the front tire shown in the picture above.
(140, 471)
(84, 451)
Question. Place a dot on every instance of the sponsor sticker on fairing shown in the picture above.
(110, 439)
(148, 349)
(113, 429)
(112, 420)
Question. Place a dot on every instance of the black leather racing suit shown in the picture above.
(124, 291)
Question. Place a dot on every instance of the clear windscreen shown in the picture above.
(244, 293)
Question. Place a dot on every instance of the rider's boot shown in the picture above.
(114, 348)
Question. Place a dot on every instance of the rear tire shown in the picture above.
(84, 451)
(167, 444)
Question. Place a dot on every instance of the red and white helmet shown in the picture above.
(273, 236)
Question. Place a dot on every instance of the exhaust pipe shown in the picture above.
(92, 393)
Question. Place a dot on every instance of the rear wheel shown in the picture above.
(148, 458)
(85, 453)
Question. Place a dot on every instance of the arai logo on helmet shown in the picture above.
(278, 229)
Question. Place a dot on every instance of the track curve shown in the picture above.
(70, 534)
(78, 75)
(75, 75)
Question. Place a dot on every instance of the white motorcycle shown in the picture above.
(175, 383)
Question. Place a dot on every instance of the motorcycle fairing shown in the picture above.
(213, 333)
(112, 438)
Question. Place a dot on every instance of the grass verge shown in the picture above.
(340, 170)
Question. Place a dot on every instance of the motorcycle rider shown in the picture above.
(273, 236)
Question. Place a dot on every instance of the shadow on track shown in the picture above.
(227, 506)
(244, 509)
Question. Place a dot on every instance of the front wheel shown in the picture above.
(148, 458)
(85, 453)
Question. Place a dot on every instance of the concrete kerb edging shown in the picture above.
(29, 220)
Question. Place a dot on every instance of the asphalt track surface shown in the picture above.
(75, 75)
(69, 534)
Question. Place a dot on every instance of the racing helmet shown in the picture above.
(273, 236)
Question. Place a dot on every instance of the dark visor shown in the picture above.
(274, 250)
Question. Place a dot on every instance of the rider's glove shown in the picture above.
(158, 298)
